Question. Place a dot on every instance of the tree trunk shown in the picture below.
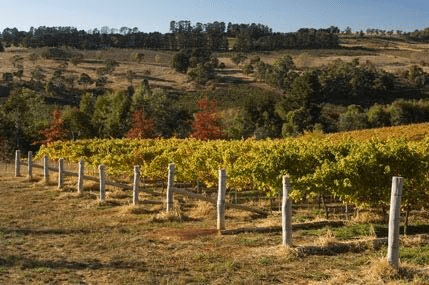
(325, 207)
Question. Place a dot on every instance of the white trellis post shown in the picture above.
(46, 169)
(30, 165)
(136, 185)
(170, 182)
(80, 177)
(394, 222)
(286, 212)
(102, 173)
(17, 163)
(221, 200)
(60, 173)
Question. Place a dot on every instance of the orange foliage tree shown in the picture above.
(55, 131)
(207, 123)
(141, 127)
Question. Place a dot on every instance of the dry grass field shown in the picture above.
(391, 56)
(51, 236)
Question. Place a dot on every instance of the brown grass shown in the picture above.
(202, 209)
(380, 271)
(59, 237)
(368, 217)
(326, 240)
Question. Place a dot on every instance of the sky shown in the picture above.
(155, 16)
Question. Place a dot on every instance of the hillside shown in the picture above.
(391, 56)
(258, 94)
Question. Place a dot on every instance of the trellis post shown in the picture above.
(221, 200)
(80, 176)
(17, 163)
(102, 173)
(60, 173)
(170, 181)
(30, 165)
(46, 169)
(136, 185)
(286, 212)
(394, 222)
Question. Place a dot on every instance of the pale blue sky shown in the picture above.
(281, 15)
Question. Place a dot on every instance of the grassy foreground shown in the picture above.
(59, 237)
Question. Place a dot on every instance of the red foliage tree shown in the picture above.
(141, 127)
(207, 124)
(55, 131)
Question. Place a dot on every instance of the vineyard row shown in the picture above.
(356, 172)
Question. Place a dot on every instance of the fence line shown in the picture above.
(394, 217)
(62, 173)
(103, 182)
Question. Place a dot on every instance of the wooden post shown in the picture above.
(221, 200)
(80, 176)
(347, 211)
(394, 222)
(102, 173)
(46, 169)
(286, 212)
(60, 173)
(136, 185)
(170, 181)
(30, 165)
(17, 163)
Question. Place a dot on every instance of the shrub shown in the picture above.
(353, 119)
(248, 68)
(181, 62)
(417, 75)
(55, 53)
(137, 56)
(201, 74)
(238, 58)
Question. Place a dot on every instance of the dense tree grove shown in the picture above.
(211, 36)
(421, 36)
(183, 35)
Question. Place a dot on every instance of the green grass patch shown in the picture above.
(416, 255)
(264, 260)
(314, 232)
(353, 231)
(250, 241)
(381, 230)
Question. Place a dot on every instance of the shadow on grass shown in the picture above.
(382, 230)
(301, 226)
(24, 263)
(28, 231)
